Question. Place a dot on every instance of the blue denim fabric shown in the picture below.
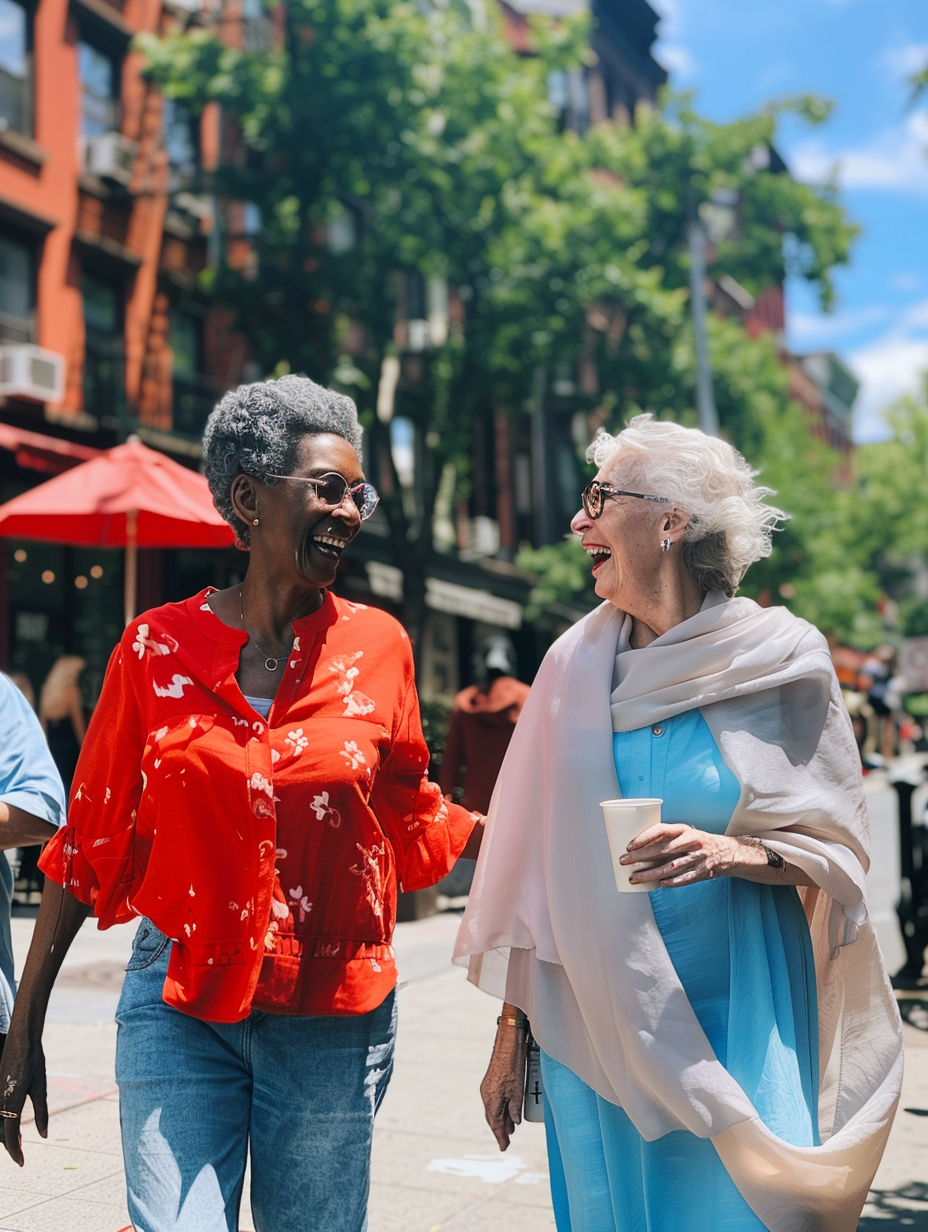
(300, 1092)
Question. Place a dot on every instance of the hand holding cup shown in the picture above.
(625, 820)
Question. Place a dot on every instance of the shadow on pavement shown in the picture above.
(906, 1207)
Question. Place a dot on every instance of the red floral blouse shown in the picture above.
(269, 850)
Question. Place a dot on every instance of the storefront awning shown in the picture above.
(49, 454)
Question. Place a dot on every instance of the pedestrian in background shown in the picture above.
(254, 785)
(61, 713)
(32, 808)
(479, 730)
(723, 1052)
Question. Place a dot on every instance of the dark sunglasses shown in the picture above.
(333, 488)
(595, 493)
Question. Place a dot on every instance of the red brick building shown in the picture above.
(102, 331)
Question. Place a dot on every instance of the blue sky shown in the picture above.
(736, 54)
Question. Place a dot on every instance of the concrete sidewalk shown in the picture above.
(436, 1167)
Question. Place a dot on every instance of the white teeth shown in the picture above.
(330, 541)
(594, 552)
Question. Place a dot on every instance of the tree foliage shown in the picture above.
(441, 144)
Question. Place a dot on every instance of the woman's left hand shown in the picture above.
(681, 855)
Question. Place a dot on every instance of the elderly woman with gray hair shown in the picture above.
(721, 1053)
(256, 803)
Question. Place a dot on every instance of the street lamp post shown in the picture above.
(705, 399)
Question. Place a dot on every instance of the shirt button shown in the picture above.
(657, 730)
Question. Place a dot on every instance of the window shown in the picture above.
(256, 26)
(15, 68)
(568, 95)
(193, 394)
(181, 143)
(99, 75)
(104, 349)
(17, 292)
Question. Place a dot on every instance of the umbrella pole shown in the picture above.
(130, 587)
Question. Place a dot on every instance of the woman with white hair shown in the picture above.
(257, 803)
(723, 1053)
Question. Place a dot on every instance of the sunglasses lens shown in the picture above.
(593, 500)
(331, 490)
(366, 498)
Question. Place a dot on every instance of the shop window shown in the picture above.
(104, 349)
(17, 291)
(193, 393)
(15, 67)
(99, 77)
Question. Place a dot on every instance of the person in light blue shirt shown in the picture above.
(32, 807)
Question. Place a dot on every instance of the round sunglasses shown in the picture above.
(595, 493)
(333, 488)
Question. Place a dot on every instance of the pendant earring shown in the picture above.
(665, 545)
(254, 521)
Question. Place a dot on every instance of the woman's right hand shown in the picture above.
(502, 1085)
(22, 1075)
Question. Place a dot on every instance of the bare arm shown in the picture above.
(77, 716)
(502, 1086)
(22, 1070)
(21, 829)
(683, 855)
(472, 848)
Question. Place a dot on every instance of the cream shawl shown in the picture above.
(546, 929)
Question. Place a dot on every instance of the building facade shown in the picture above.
(103, 232)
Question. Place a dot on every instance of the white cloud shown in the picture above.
(895, 160)
(887, 369)
(676, 58)
(809, 330)
(903, 61)
(905, 281)
(888, 362)
(669, 13)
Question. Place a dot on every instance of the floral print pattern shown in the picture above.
(294, 837)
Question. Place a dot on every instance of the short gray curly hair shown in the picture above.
(254, 430)
(730, 524)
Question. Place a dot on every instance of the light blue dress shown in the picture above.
(744, 956)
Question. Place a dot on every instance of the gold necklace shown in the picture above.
(270, 662)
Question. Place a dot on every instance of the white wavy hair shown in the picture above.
(730, 524)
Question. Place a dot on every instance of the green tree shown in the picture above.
(888, 518)
(430, 135)
(441, 143)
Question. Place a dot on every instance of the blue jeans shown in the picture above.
(300, 1092)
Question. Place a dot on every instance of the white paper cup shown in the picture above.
(625, 819)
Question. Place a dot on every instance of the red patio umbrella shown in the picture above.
(128, 497)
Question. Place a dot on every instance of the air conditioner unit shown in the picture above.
(111, 156)
(196, 205)
(418, 335)
(28, 371)
(484, 537)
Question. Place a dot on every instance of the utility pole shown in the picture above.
(705, 400)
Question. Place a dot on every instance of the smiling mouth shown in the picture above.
(597, 554)
(329, 545)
